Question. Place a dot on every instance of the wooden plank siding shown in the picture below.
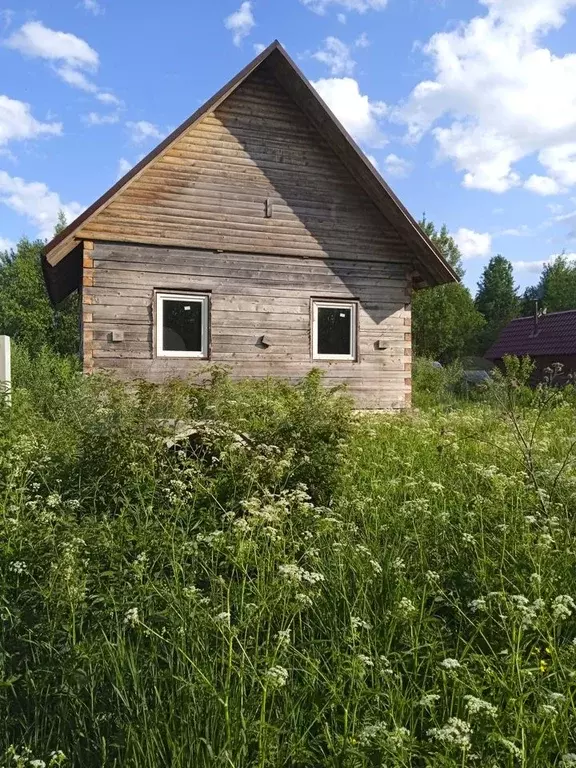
(210, 189)
(250, 296)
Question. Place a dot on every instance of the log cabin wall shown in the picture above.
(253, 207)
(250, 296)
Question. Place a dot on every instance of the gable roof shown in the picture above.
(555, 335)
(430, 263)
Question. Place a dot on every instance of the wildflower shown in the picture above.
(407, 607)
(385, 666)
(569, 759)
(358, 623)
(545, 541)
(209, 538)
(37, 764)
(283, 637)
(366, 660)
(18, 566)
(556, 697)
(548, 709)
(477, 706)
(468, 538)
(531, 519)
(437, 487)
(450, 664)
(429, 699)
(223, 617)
(477, 605)
(190, 592)
(510, 746)
(371, 733)
(304, 600)
(536, 579)
(397, 737)
(277, 676)
(398, 566)
(432, 577)
(376, 567)
(131, 617)
(53, 500)
(562, 607)
(455, 731)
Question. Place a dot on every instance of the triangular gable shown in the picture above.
(275, 64)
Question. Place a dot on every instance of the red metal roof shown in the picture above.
(555, 335)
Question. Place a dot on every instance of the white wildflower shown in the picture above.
(556, 697)
(53, 500)
(432, 577)
(223, 617)
(536, 579)
(545, 541)
(358, 623)
(283, 636)
(376, 567)
(511, 747)
(548, 709)
(450, 664)
(37, 764)
(131, 618)
(455, 731)
(477, 706)
(531, 519)
(569, 759)
(18, 566)
(398, 566)
(429, 699)
(468, 538)
(478, 605)
(562, 607)
(365, 660)
(277, 676)
(371, 733)
(407, 607)
(304, 600)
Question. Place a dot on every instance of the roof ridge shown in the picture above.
(546, 314)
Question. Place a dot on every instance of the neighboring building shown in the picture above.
(257, 236)
(545, 338)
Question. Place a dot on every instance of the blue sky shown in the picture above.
(468, 108)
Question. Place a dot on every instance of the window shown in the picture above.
(181, 325)
(334, 330)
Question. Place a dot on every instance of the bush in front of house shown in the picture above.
(246, 575)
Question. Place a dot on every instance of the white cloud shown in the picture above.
(505, 96)
(538, 266)
(337, 57)
(7, 245)
(36, 40)
(522, 231)
(142, 131)
(241, 22)
(542, 185)
(472, 244)
(123, 167)
(71, 57)
(361, 6)
(358, 114)
(93, 6)
(6, 16)
(362, 41)
(36, 202)
(259, 47)
(341, 18)
(397, 166)
(94, 118)
(17, 122)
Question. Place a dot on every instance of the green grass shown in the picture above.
(290, 586)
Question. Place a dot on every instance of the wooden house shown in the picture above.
(257, 236)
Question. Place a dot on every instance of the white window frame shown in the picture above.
(204, 301)
(347, 305)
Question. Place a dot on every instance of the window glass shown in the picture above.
(334, 330)
(182, 326)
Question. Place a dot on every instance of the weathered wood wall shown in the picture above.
(251, 296)
(210, 189)
(209, 192)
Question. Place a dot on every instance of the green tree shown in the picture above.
(445, 322)
(497, 299)
(556, 289)
(26, 313)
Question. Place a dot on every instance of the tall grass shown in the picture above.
(247, 575)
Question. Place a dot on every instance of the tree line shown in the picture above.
(448, 322)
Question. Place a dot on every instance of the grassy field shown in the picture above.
(251, 576)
